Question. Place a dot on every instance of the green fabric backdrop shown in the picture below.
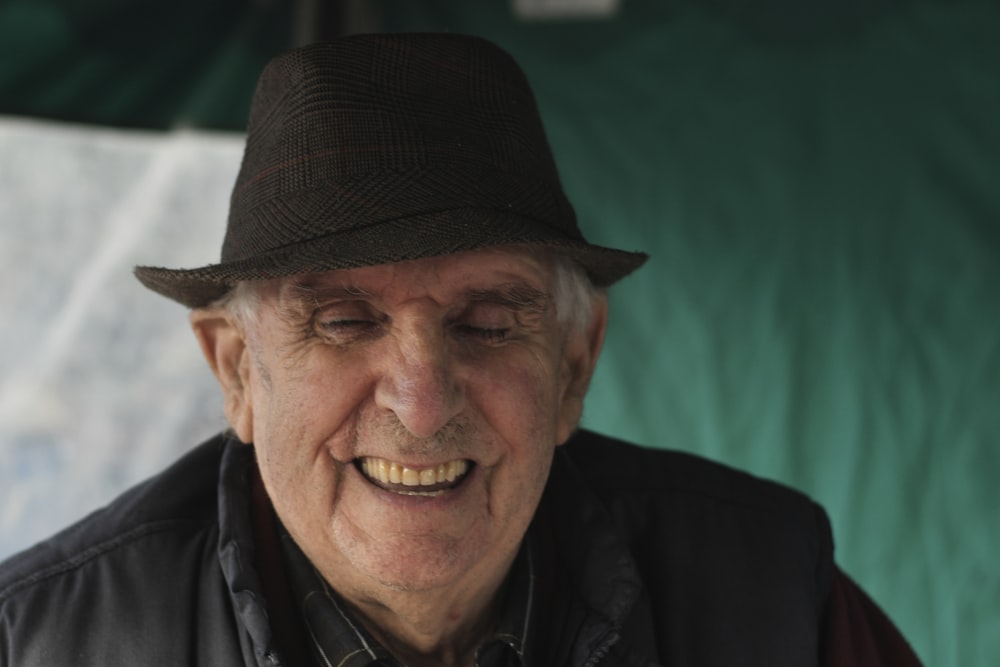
(137, 64)
(819, 187)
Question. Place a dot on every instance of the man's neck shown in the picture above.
(438, 625)
(432, 628)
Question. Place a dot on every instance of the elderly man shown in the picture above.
(404, 324)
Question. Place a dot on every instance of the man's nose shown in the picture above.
(419, 383)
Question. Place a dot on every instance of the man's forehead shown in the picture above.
(467, 268)
(460, 273)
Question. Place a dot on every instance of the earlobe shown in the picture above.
(579, 360)
(224, 345)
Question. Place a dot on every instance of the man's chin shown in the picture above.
(419, 576)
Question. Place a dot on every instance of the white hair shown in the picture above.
(242, 302)
(573, 293)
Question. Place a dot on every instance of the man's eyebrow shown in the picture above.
(300, 297)
(310, 290)
(517, 296)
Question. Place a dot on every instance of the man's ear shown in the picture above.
(578, 363)
(224, 345)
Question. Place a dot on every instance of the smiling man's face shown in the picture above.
(405, 416)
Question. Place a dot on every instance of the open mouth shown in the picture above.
(397, 478)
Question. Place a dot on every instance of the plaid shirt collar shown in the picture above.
(339, 639)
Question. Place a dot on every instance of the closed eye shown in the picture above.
(486, 334)
(346, 330)
(347, 325)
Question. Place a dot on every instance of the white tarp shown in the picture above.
(101, 380)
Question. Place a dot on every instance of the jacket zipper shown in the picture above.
(602, 650)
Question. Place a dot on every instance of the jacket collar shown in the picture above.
(589, 580)
(238, 553)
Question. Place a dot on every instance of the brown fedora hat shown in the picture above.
(374, 149)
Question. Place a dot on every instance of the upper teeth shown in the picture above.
(389, 472)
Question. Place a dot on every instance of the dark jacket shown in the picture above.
(655, 557)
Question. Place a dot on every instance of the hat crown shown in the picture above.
(374, 128)
(375, 149)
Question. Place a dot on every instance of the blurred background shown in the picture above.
(818, 184)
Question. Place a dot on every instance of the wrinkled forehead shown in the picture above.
(444, 277)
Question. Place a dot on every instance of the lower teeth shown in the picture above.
(409, 492)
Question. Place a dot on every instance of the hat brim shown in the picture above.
(411, 238)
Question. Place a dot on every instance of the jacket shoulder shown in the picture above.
(727, 559)
(182, 497)
(85, 591)
(613, 467)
